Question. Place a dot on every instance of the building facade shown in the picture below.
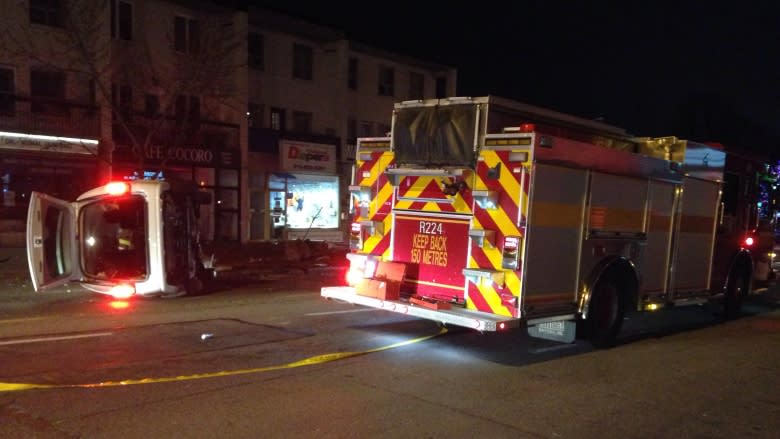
(257, 108)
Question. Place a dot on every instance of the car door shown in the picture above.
(52, 246)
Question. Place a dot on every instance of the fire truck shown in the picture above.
(122, 239)
(490, 214)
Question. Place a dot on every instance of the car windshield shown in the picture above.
(113, 238)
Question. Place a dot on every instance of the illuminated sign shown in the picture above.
(307, 157)
(42, 143)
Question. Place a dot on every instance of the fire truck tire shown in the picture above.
(737, 289)
(605, 313)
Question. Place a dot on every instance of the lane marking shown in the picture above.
(58, 338)
(23, 319)
(310, 361)
(325, 313)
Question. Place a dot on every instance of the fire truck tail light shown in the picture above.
(117, 188)
(122, 291)
(749, 241)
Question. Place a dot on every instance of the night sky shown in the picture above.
(706, 71)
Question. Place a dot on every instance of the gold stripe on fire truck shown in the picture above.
(434, 284)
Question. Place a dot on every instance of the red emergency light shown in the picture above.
(527, 128)
(122, 291)
(749, 241)
(117, 188)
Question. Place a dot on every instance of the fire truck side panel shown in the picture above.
(554, 239)
(656, 255)
(373, 197)
(695, 237)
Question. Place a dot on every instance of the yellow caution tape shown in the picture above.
(317, 359)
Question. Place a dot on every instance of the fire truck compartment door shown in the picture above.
(52, 246)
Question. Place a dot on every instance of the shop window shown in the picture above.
(386, 86)
(47, 89)
(121, 20)
(186, 34)
(352, 74)
(302, 121)
(227, 198)
(416, 85)
(277, 121)
(228, 177)
(256, 49)
(312, 201)
(227, 225)
(303, 62)
(47, 12)
(204, 177)
(7, 90)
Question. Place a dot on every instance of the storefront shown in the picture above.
(214, 170)
(304, 198)
(63, 167)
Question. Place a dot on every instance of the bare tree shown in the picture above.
(186, 67)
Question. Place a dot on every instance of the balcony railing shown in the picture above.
(49, 117)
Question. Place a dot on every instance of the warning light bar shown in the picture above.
(117, 188)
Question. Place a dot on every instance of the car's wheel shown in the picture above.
(736, 291)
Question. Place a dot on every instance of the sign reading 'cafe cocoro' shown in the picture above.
(188, 155)
(307, 157)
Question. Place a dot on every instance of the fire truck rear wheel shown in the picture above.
(605, 314)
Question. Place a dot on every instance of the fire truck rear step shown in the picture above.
(457, 316)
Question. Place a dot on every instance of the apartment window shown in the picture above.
(366, 129)
(352, 74)
(121, 20)
(277, 119)
(386, 81)
(47, 12)
(416, 85)
(254, 115)
(302, 121)
(187, 108)
(441, 87)
(47, 89)
(122, 98)
(303, 62)
(186, 34)
(256, 50)
(351, 131)
(7, 90)
(152, 106)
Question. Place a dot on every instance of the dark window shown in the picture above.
(152, 106)
(351, 131)
(277, 119)
(366, 129)
(121, 20)
(303, 62)
(416, 85)
(254, 115)
(386, 81)
(7, 90)
(186, 35)
(256, 51)
(48, 12)
(187, 108)
(302, 121)
(47, 89)
(441, 87)
(352, 74)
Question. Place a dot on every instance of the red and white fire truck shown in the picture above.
(488, 213)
